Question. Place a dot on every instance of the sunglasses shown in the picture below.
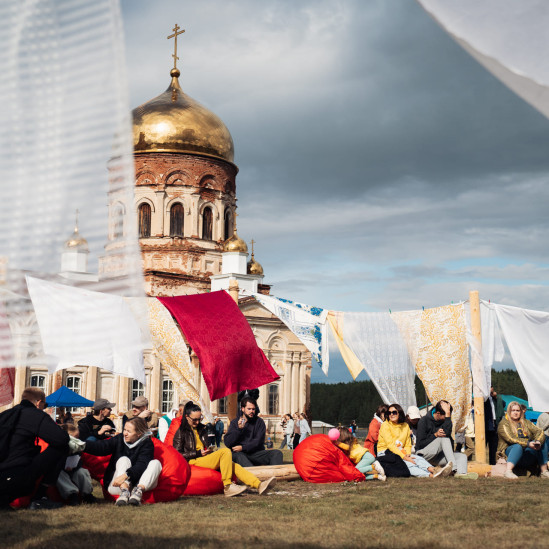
(195, 419)
(393, 413)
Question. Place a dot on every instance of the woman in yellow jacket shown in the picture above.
(394, 435)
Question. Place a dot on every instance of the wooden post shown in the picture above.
(480, 434)
(232, 400)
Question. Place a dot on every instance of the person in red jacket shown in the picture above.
(373, 430)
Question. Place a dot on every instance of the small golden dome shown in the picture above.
(254, 268)
(77, 242)
(174, 122)
(235, 244)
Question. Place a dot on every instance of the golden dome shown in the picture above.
(254, 268)
(235, 244)
(77, 242)
(174, 122)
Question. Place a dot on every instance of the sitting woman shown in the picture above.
(362, 459)
(521, 442)
(395, 440)
(373, 430)
(132, 463)
(191, 441)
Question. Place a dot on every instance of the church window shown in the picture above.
(38, 381)
(222, 405)
(273, 399)
(227, 225)
(74, 383)
(118, 217)
(167, 395)
(176, 220)
(207, 224)
(144, 220)
(138, 389)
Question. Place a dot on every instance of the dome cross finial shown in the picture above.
(252, 243)
(176, 33)
(76, 221)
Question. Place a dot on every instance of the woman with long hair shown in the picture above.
(521, 442)
(373, 430)
(191, 441)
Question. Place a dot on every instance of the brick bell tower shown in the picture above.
(184, 191)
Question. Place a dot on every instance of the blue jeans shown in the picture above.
(524, 457)
(420, 467)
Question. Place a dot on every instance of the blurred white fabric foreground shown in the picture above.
(65, 145)
(80, 327)
(507, 37)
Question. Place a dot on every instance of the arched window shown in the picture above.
(118, 219)
(273, 399)
(207, 224)
(38, 381)
(223, 407)
(167, 395)
(137, 390)
(144, 220)
(74, 383)
(176, 220)
(227, 233)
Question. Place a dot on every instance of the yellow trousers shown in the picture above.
(222, 461)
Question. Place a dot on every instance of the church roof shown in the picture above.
(235, 244)
(175, 122)
(77, 242)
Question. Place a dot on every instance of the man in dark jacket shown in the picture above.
(24, 463)
(97, 425)
(434, 439)
(493, 412)
(246, 438)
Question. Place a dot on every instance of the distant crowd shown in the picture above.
(398, 444)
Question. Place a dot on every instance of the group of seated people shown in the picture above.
(397, 445)
(27, 468)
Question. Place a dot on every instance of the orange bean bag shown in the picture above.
(204, 482)
(173, 479)
(172, 429)
(317, 460)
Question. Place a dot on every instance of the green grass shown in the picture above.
(418, 513)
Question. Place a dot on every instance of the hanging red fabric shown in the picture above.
(222, 339)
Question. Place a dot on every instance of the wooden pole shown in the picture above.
(480, 434)
(232, 400)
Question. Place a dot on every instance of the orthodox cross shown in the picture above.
(76, 221)
(253, 242)
(176, 33)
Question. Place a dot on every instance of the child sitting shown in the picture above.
(74, 481)
(363, 460)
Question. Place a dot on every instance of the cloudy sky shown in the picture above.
(380, 166)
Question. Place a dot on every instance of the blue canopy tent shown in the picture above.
(64, 397)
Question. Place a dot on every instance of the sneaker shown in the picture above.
(266, 485)
(135, 498)
(44, 503)
(509, 474)
(123, 498)
(383, 478)
(73, 500)
(470, 476)
(379, 469)
(444, 471)
(233, 490)
(89, 498)
(545, 474)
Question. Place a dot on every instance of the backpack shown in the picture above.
(8, 422)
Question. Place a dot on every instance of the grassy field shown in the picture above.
(418, 513)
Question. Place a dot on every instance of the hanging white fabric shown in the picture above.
(306, 322)
(527, 335)
(376, 341)
(490, 349)
(507, 37)
(84, 328)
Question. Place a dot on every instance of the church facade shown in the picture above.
(185, 198)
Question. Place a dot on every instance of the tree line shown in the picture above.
(357, 400)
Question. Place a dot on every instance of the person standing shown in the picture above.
(296, 437)
(219, 428)
(304, 427)
(493, 412)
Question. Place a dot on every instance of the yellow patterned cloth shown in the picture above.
(436, 341)
(335, 321)
(173, 353)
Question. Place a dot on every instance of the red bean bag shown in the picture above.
(173, 479)
(204, 482)
(318, 460)
(172, 429)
